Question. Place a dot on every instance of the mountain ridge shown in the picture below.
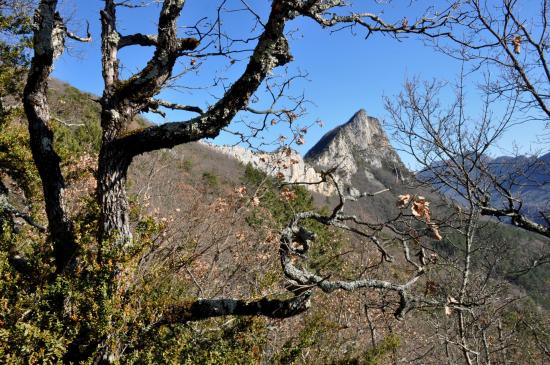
(358, 149)
(526, 178)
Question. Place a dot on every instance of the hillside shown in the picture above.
(359, 148)
(209, 219)
(125, 241)
(526, 178)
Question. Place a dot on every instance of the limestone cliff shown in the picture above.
(284, 163)
(359, 150)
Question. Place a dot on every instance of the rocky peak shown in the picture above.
(359, 130)
(359, 148)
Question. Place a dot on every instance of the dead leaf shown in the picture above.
(403, 200)
(435, 231)
(420, 208)
(241, 191)
(516, 42)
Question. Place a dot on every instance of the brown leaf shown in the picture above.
(291, 116)
(403, 200)
(516, 42)
(241, 191)
(420, 208)
(435, 232)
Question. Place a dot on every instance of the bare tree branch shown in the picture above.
(208, 308)
(156, 103)
(271, 51)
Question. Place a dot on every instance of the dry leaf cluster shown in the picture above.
(420, 208)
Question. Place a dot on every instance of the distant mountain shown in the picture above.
(359, 149)
(526, 177)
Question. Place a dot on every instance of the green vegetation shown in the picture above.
(314, 330)
(375, 355)
(210, 179)
(211, 343)
(76, 130)
(281, 203)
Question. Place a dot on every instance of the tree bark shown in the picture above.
(210, 308)
(47, 44)
(113, 200)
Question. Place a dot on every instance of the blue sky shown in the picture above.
(346, 72)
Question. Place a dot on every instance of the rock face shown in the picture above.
(359, 150)
(284, 163)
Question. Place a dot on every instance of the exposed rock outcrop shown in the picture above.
(359, 150)
(284, 163)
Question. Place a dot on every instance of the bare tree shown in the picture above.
(452, 150)
(124, 99)
(511, 36)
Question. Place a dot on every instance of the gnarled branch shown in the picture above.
(202, 309)
(271, 51)
(47, 45)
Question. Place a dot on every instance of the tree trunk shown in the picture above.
(113, 201)
(48, 44)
